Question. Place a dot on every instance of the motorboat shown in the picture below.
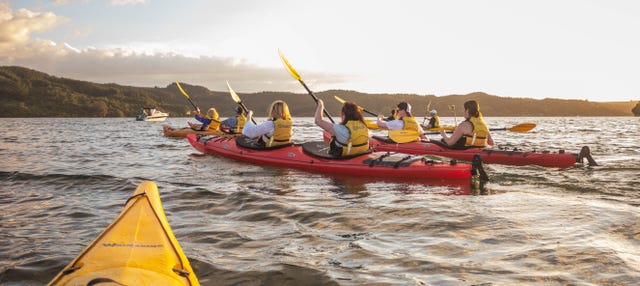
(151, 114)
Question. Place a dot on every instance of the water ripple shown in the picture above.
(241, 224)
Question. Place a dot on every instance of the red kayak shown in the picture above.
(490, 156)
(313, 156)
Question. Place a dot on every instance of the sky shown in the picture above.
(571, 49)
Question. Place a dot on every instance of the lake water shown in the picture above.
(63, 180)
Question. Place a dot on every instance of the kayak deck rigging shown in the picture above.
(498, 155)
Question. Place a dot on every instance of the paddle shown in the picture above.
(371, 124)
(404, 136)
(361, 108)
(427, 111)
(446, 128)
(522, 127)
(186, 95)
(455, 119)
(295, 75)
(236, 98)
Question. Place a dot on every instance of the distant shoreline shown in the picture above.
(29, 93)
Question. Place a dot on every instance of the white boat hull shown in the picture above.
(150, 114)
(155, 118)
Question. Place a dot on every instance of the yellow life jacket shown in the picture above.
(477, 137)
(410, 132)
(282, 131)
(240, 123)
(215, 123)
(358, 138)
(436, 121)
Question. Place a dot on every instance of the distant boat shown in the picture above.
(151, 114)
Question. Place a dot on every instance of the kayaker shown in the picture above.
(210, 121)
(234, 124)
(434, 121)
(278, 128)
(405, 127)
(392, 116)
(349, 137)
(473, 132)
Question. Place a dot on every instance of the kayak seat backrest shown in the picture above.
(392, 160)
(384, 139)
(255, 144)
(321, 149)
(442, 144)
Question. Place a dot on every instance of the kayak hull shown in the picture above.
(293, 156)
(137, 248)
(489, 156)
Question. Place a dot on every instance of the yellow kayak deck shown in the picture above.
(137, 248)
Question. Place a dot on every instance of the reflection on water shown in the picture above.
(63, 182)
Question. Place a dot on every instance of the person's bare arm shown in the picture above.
(460, 130)
(319, 119)
(422, 135)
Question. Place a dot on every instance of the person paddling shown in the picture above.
(210, 121)
(392, 116)
(434, 121)
(349, 137)
(473, 132)
(234, 124)
(278, 128)
(405, 127)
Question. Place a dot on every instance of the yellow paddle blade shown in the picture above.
(403, 136)
(522, 127)
(343, 101)
(372, 124)
(234, 95)
(290, 68)
(182, 90)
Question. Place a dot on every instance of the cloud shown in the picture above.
(127, 66)
(62, 2)
(126, 2)
(17, 26)
(111, 2)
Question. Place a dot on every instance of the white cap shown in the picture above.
(433, 112)
(404, 106)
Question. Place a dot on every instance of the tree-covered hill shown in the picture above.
(29, 93)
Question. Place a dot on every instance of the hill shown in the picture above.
(29, 93)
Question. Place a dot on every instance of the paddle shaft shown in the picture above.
(193, 104)
(247, 111)
(297, 76)
(186, 95)
(369, 112)
(316, 99)
(490, 129)
(237, 99)
(360, 107)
